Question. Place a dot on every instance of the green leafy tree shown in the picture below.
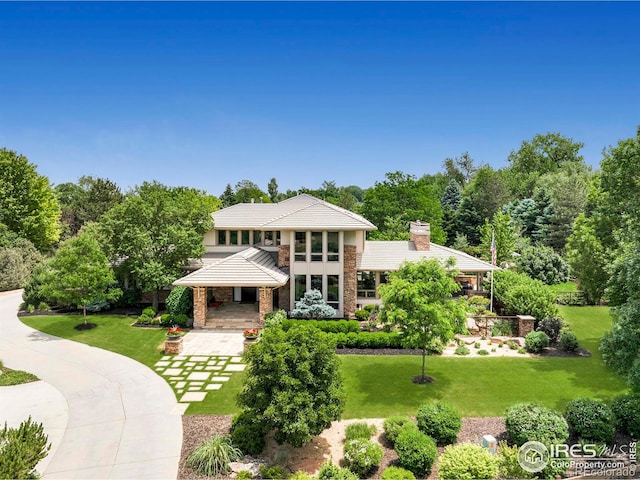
(80, 273)
(18, 259)
(246, 192)
(402, 195)
(517, 294)
(620, 346)
(587, 258)
(468, 221)
(460, 169)
(272, 190)
(418, 301)
(29, 206)
(542, 263)
(293, 383)
(542, 154)
(488, 191)
(505, 238)
(155, 232)
(394, 228)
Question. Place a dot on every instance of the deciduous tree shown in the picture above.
(293, 383)
(418, 301)
(29, 206)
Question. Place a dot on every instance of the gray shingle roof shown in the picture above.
(252, 267)
(299, 212)
(387, 256)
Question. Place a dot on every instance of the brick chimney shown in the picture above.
(420, 234)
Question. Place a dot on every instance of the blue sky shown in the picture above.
(205, 94)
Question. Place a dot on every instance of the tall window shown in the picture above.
(257, 237)
(367, 284)
(222, 237)
(268, 238)
(301, 247)
(316, 246)
(333, 290)
(384, 277)
(233, 237)
(301, 286)
(333, 247)
(316, 282)
(245, 237)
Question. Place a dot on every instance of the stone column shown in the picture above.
(266, 302)
(526, 324)
(350, 282)
(284, 256)
(199, 306)
(284, 297)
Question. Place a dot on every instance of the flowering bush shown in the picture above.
(174, 331)
(251, 333)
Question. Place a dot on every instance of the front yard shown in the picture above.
(380, 385)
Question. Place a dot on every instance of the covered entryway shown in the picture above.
(243, 286)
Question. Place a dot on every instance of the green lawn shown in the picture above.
(113, 332)
(379, 386)
(564, 287)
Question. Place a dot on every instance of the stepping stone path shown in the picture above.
(193, 376)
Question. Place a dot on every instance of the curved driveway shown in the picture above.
(123, 419)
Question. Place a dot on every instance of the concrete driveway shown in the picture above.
(122, 420)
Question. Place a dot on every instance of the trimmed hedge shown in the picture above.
(328, 326)
(393, 425)
(530, 421)
(590, 420)
(416, 451)
(467, 461)
(440, 421)
(366, 340)
(535, 342)
(397, 473)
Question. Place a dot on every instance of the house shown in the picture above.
(269, 254)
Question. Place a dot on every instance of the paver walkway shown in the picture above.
(123, 418)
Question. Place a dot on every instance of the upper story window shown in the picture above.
(244, 235)
(300, 247)
(233, 237)
(317, 246)
(222, 237)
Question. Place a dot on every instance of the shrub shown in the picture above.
(144, 320)
(552, 326)
(274, 472)
(247, 475)
(180, 300)
(312, 305)
(362, 456)
(21, 449)
(329, 471)
(590, 419)
(509, 464)
(397, 473)
(371, 308)
(299, 475)
(328, 326)
(166, 319)
(467, 461)
(501, 328)
(440, 421)
(520, 295)
(180, 320)
(92, 307)
(416, 451)
(359, 430)
(272, 319)
(212, 457)
(535, 342)
(483, 352)
(248, 434)
(362, 315)
(530, 421)
(393, 425)
(375, 340)
(544, 264)
(476, 345)
(568, 341)
(462, 350)
(149, 312)
(626, 412)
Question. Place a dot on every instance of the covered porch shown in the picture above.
(235, 292)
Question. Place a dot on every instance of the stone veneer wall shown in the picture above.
(223, 294)
(284, 296)
(199, 306)
(284, 256)
(266, 303)
(350, 282)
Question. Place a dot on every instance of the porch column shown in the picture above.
(199, 307)
(266, 302)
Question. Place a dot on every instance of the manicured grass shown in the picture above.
(15, 377)
(380, 386)
(113, 332)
